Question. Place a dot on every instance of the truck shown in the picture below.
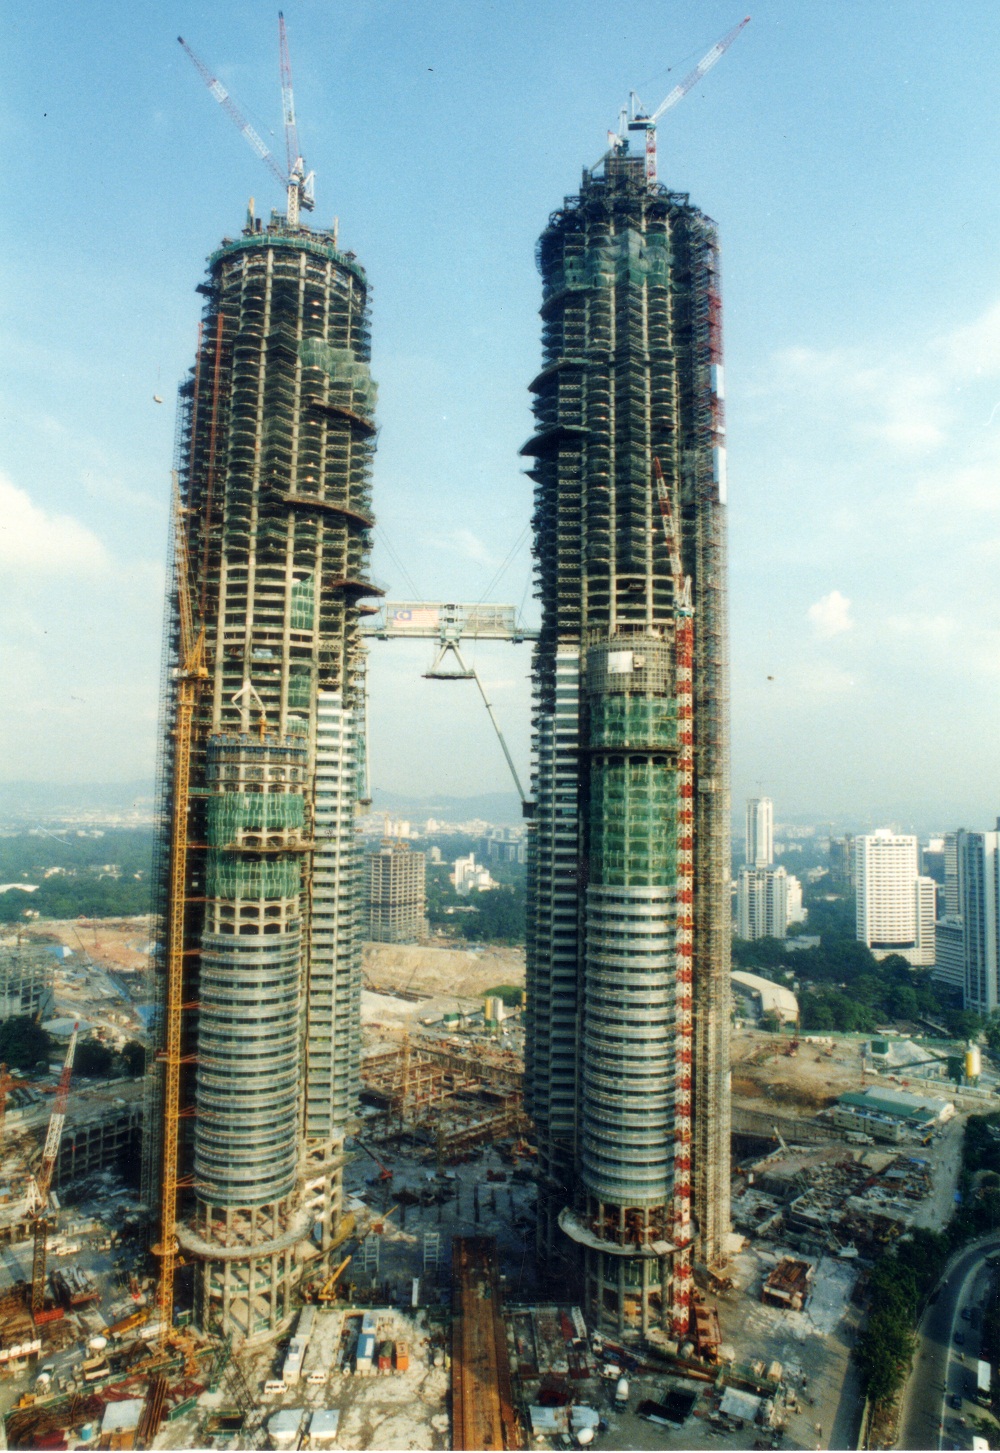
(984, 1378)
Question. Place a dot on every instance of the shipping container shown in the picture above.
(365, 1353)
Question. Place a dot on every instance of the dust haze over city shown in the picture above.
(498, 828)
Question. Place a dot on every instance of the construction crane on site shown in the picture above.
(637, 118)
(448, 623)
(43, 1181)
(191, 673)
(298, 183)
(384, 1173)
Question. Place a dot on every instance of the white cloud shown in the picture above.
(830, 616)
(32, 541)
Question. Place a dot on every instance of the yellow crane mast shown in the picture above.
(191, 672)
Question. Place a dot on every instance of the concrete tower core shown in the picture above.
(628, 865)
(274, 456)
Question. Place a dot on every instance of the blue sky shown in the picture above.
(849, 153)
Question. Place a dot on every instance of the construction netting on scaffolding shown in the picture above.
(303, 604)
(300, 685)
(237, 876)
(630, 257)
(633, 721)
(633, 810)
(348, 375)
(233, 813)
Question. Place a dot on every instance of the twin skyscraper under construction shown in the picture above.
(628, 874)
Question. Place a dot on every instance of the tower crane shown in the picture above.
(43, 1181)
(191, 672)
(638, 119)
(298, 184)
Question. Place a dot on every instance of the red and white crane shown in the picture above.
(43, 1181)
(297, 182)
(680, 1211)
(640, 120)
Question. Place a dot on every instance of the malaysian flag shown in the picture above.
(413, 618)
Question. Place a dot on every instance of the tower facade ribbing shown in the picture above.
(760, 832)
(274, 458)
(628, 919)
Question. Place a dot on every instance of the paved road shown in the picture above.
(941, 1368)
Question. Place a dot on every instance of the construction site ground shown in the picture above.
(390, 1409)
(764, 1075)
(440, 970)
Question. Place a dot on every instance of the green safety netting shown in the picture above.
(233, 876)
(300, 686)
(629, 257)
(304, 605)
(231, 813)
(633, 824)
(343, 368)
(632, 720)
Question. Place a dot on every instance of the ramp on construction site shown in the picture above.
(482, 1399)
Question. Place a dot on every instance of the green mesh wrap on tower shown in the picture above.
(342, 368)
(628, 258)
(633, 721)
(300, 686)
(231, 813)
(304, 605)
(232, 876)
(633, 824)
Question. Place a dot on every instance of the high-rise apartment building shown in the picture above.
(841, 864)
(261, 876)
(978, 871)
(895, 905)
(628, 858)
(397, 893)
(760, 832)
(765, 902)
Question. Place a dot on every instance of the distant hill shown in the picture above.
(22, 803)
(502, 808)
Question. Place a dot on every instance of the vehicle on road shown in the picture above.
(960, 1339)
(954, 1400)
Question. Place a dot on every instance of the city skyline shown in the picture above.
(837, 301)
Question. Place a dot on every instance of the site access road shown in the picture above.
(943, 1368)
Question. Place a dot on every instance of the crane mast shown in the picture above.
(191, 672)
(297, 182)
(43, 1181)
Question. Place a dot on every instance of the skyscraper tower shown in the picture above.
(760, 832)
(262, 878)
(628, 920)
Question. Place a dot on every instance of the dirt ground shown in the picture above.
(465, 972)
(114, 943)
(807, 1081)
